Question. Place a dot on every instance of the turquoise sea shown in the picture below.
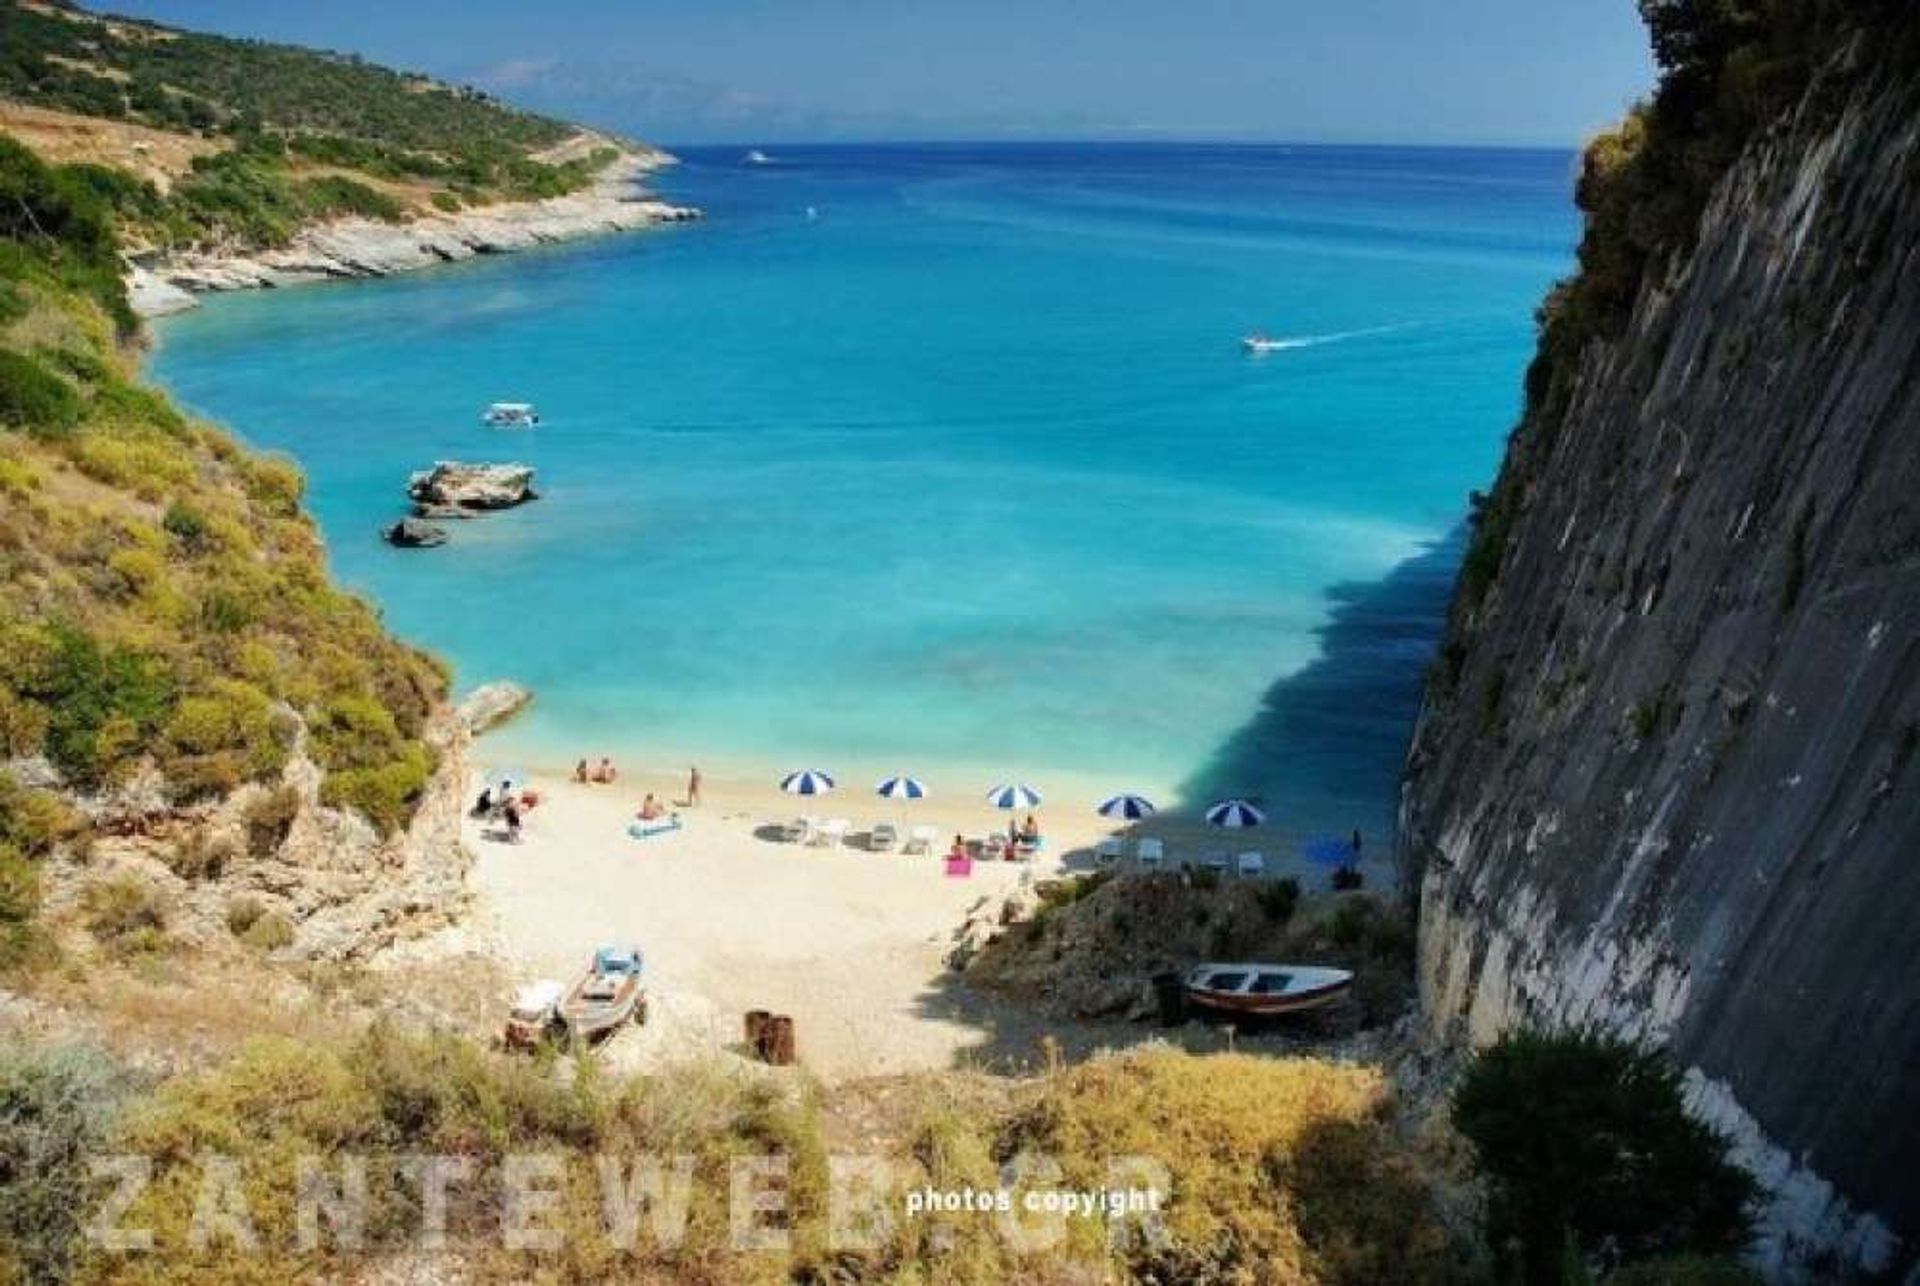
(945, 459)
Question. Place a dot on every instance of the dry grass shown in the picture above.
(158, 156)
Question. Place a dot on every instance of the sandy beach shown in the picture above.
(849, 942)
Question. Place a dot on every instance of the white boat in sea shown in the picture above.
(1262, 990)
(511, 415)
(755, 156)
(1257, 343)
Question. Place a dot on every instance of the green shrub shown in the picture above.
(126, 913)
(384, 794)
(1590, 1155)
(34, 399)
(102, 703)
(1278, 899)
(218, 739)
(269, 932)
(200, 856)
(269, 818)
(57, 1106)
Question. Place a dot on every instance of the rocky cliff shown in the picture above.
(1664, 777)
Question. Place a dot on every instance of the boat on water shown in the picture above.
(608, 994)
(755, 156)
(1258, 343)
(511, 415)
(1262, 990)
(535, 1015)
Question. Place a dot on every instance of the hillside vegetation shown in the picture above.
(164, 600)
(302, 134)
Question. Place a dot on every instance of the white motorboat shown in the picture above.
(511, 415)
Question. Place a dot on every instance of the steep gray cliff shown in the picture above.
(1664, 778)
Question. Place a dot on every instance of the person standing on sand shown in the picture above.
(580, 772)
(693, 786)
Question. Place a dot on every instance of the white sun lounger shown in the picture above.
(1149, 852)
(1217, 862)
(1107, 851)
(882, 838)
(802, 830)
(920, 840)
(833, 832)
(1250, 863)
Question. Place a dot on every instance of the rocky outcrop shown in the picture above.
(490, 705)
(412, 533)
(1664, 779)
(359, 247)
(452, 489)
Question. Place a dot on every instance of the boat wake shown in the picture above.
(1286, 343)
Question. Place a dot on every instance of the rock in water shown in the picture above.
(452, 489)
(492, 704)
(411, 533)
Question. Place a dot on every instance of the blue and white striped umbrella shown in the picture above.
(806, 782)
(901, 788)
(1013, 796)
(1127, 807)
(1234, 814)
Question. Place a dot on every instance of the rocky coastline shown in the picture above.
(163, 283)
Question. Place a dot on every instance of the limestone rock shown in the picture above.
(452, 487)
(413, 533)
(490, 705)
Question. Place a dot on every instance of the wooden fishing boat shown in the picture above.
(1262, 990)
(609, 993)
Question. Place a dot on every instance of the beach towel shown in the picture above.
(658, 826)
(960, 867)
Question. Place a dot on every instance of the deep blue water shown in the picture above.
(964, 473)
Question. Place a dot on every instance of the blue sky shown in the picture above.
(690, 71)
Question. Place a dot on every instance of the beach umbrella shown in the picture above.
(902, 787)
(1329, 850)
(1234, 814)
(1016, 795)
(807, 781)
(1129, 808)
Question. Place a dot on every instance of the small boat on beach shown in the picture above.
(608, 994)
(1262, 990)
(510, 415)
(535, 1015)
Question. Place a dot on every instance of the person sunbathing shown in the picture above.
(651, 809)
(958, 853)
(604, 773)
(1029, 832)
(580, 773)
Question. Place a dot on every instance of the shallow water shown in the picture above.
(966, 473)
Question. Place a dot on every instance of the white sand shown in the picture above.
(848, 942)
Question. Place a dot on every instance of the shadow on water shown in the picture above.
(1354, 706)
(1323, 751)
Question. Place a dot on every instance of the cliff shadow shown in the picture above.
(1354, 706)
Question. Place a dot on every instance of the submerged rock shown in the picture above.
(492, 704)
(451, 489)
(411, 533)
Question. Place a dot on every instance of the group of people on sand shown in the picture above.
(502, 803)
(1022, 839)
(602, 773)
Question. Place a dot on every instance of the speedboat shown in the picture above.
(607, 994)
(1261, 990)
(1257, 343)
(511, 415)
(756, 157)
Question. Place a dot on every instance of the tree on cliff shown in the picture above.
(1591, 1156)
